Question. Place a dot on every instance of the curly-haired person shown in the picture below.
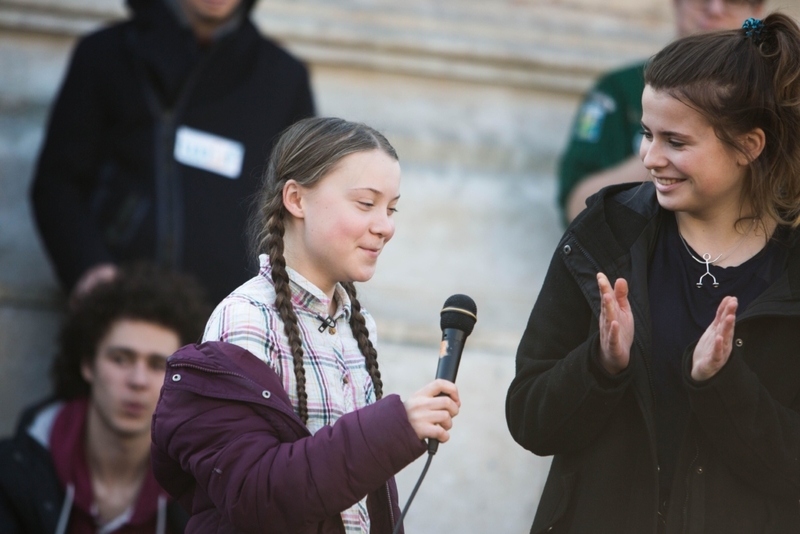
(80, 461)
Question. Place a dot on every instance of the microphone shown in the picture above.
(458, 317)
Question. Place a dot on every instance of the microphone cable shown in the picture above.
(458, 317)
(413, 492)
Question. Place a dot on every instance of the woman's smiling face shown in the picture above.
(693, 170)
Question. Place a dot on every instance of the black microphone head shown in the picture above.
(459, 312)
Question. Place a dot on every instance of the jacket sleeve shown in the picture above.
(561, 398)
(11, 516)
(261, 483)
(67, 171)
(757, 437)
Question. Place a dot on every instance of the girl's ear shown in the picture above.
(753, 144)
(293, 198)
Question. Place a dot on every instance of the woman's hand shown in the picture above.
(430, 415)
(714, 348)
(616, 324)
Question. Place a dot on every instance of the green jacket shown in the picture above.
(738, 469)
(606, 130)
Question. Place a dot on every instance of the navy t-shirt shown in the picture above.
(680, 312)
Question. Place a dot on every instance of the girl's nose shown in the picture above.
(651, 154)
(383, 225)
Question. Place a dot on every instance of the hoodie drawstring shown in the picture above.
(161, 522)
(66, 508)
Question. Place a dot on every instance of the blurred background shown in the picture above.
(477, 96)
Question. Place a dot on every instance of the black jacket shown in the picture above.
(738, 469)
(107, 187)
(31, 496)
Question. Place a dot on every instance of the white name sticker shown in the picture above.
(209, 152)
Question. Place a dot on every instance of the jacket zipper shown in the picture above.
(391, 511)
(688, 482)
(635, 338)
(586, 255)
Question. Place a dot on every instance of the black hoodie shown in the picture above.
(108, 187)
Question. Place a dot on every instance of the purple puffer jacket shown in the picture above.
(228, 446)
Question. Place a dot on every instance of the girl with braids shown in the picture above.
(278, 423)
(661, 362)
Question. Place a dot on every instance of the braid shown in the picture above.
(359, 327)
(283, 303)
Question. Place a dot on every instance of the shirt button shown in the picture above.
(699, 470)
(266, 394)
(346, 380)
(567, 249)
(739, 342)
(332, 330)
(176, 377)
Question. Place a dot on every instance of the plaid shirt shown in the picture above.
(337, 381)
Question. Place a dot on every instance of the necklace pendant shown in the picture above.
(707, 261)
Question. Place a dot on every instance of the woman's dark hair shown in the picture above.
(139, 292)
(741, 80)
(305, 153)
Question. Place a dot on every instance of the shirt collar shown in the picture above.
(308, 296)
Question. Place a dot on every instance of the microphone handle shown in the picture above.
(449, 357)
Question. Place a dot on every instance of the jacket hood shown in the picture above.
(227, 371)
(139, 7)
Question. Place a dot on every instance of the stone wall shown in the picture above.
(476, 95)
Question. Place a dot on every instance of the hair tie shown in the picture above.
(752, 28)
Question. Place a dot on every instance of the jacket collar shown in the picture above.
(615, 219)
(618, 216)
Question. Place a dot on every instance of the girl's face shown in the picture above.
(339, 227)
(693, 171)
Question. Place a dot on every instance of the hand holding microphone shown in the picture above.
(431, 409)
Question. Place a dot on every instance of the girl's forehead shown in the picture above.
(661, 110)
(371, 170)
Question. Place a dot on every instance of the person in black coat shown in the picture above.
(660, 363)
(157, 140)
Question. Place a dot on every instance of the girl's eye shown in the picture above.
(366, 204)
(675, 144)
(393, 210)
(647, 135)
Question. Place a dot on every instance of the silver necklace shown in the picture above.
(708, 262)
